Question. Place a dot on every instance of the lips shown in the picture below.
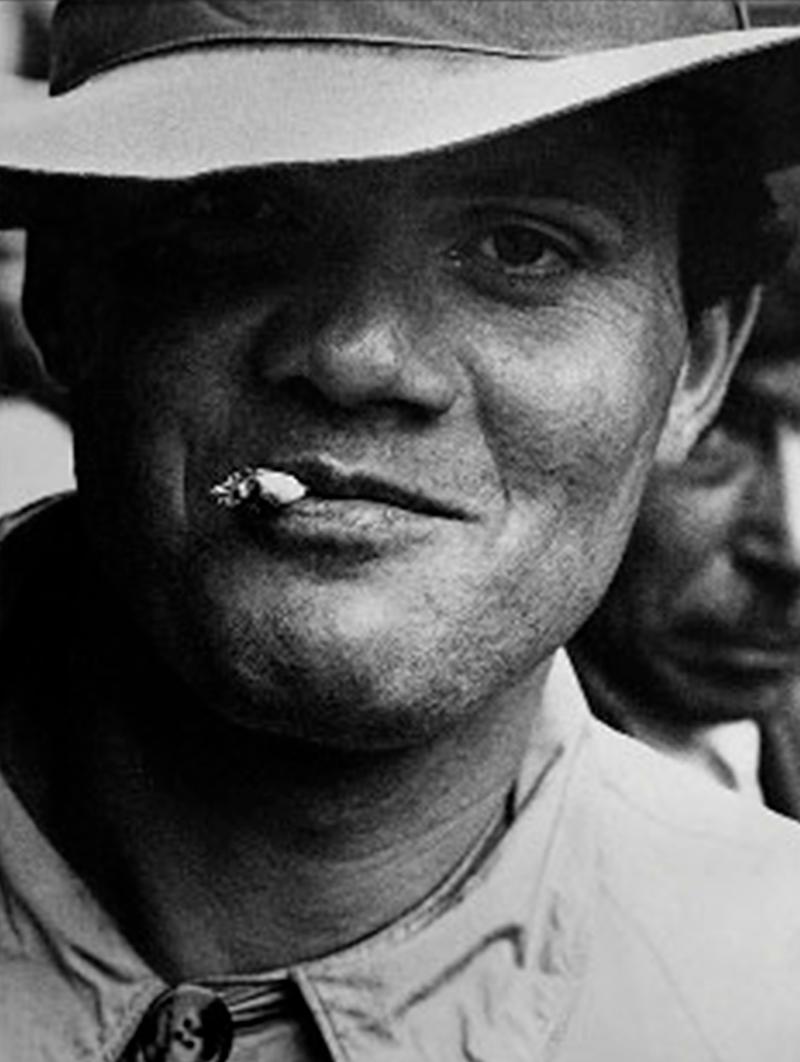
(348, 515)
(328, 479)
(754, 650)
(757, 657)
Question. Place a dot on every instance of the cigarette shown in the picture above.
(266, 486)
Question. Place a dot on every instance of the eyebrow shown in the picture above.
(598, 189)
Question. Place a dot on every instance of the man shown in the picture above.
(696, 648)
(373, 326)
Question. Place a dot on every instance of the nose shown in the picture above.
(373, 343)
(770, 539)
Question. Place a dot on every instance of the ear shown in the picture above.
(716, 342)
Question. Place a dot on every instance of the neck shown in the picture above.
(228, 852)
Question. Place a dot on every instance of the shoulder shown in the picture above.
(655, 804)
(31, 534)
(676, 805)
(711, 884)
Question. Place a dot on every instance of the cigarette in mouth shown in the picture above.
(265, 486)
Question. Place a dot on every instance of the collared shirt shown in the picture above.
(729, 753)
(631, 913)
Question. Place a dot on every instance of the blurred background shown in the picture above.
(35, 442)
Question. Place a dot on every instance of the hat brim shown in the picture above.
(200, 111)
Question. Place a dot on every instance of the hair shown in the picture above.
(733, 236)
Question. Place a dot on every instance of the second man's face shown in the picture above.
(707, 601)
(468, 359)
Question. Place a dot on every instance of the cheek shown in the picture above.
(572, 407)
(146, 412)
(570, 402)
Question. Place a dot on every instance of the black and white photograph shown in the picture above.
(399, 530)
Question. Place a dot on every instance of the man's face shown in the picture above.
(706, 607)
(467, 358)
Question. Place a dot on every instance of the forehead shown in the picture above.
(618, 136)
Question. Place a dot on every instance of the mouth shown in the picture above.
(327, 480)
(766, 652)
(338, 511)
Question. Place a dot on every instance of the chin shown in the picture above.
(356, 675)
(347, 706)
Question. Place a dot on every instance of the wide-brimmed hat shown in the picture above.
(171, 89)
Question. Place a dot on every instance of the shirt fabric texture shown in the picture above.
(631, 913)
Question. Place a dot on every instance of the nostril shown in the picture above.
(301, 397)
(375, 351)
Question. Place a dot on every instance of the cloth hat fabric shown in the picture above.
(162, 91)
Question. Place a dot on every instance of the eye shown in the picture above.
(514, 256)
(741, 434)
(523, 250)
(229, 225)
(216, 221)
(719, 454)
(223, 235)
(236, 205)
